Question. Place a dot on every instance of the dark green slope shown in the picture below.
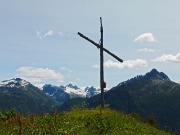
(152, 94)
(25, 99)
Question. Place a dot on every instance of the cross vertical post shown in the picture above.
(101, 48)
(101, 66)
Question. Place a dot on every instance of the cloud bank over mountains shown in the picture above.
(38, 75)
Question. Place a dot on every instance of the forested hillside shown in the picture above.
(150, 94)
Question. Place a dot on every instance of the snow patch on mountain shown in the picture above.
(72, 90)
(79, 91)
(14, 82)
(83, 91)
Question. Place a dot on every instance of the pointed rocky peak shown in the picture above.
(72, 86)
(154, 71)
(153, 74)
(47, 86)
(14, 82)
(157, 75)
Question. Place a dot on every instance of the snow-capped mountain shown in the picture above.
(23, 97)
(14, 82)
(63, 93)
(82, 91)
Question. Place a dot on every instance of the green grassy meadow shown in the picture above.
(77, 122)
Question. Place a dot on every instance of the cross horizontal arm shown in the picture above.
(116, 57)
(98, 46)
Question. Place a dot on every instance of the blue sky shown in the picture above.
(39, 40)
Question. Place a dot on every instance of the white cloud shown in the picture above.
(129, 64)
(168, 58)
(38, 34)
(38, 75)
(41, 35)
(62, 34)
(148, 37)
(49, 33)
(146, 50)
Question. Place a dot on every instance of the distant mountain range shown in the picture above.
(64, 93)
(24, 97)
(150, 94)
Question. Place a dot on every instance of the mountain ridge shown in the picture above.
(150, 94)
(23, 97)
(14, 82)
(150, 75)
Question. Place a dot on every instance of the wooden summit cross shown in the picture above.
(100, 46)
